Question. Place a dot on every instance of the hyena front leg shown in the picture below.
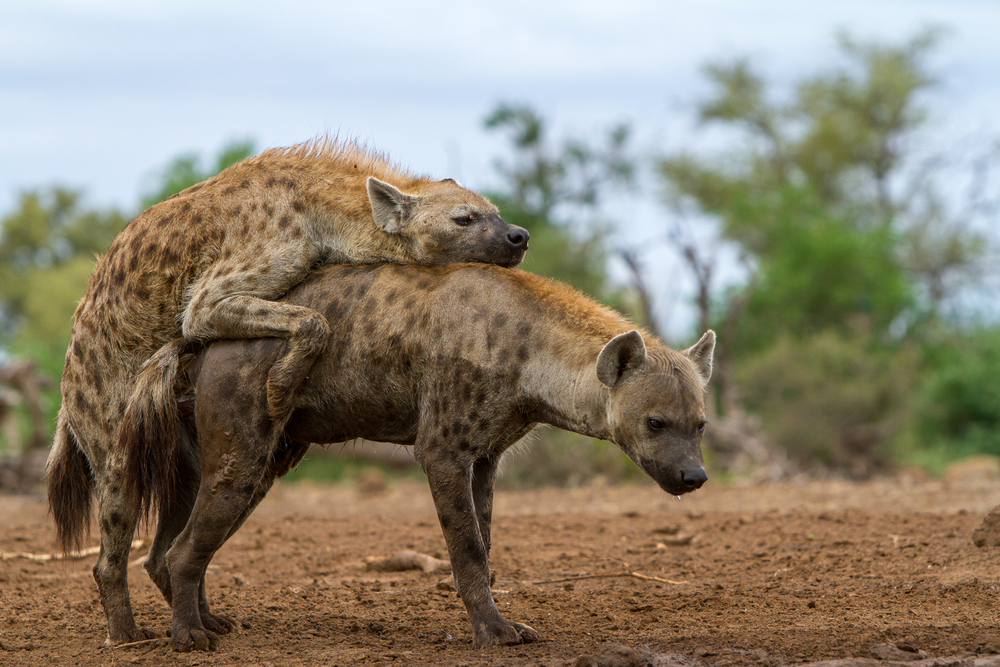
(450, 480)
(306, 330)
(484, 474)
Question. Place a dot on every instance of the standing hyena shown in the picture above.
(459, 361)
(208, 264)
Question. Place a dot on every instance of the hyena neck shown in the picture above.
(569, 394)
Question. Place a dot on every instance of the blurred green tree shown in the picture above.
(959, 404)
(851, 250)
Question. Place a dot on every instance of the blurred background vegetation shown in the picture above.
(861, 334)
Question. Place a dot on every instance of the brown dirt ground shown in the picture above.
(773, 574)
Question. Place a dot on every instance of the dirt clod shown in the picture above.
(988, 533)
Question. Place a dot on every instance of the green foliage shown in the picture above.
(960, 398)
(186, 170)
(45, 248)
(822, 271)
(847, 268)
(832, 400)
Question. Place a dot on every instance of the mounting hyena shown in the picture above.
(460, 362)
(209, 263)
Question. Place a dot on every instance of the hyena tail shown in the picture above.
(70, 487)
(150, 435)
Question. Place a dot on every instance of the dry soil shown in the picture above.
(770, 574)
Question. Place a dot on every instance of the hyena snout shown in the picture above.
(517, 237)
(676, 477)
(692, 477)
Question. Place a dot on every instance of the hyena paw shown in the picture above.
(185, 640)
(220, 625)
(505, 634)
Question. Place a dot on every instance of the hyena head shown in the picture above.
(447, 223)
(657, 412)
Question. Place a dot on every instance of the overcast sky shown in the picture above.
(99, 94)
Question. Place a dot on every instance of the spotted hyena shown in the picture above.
(209, 263)
(460, 362)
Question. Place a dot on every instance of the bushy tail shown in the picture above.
(150, 433)
(70, 488)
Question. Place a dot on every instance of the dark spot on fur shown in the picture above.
(298, 206)
(285, 221)
(499, 320)
(522, 353)
(524, 329)
(118, 558)
(464, 445)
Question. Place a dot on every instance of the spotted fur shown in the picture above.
(209, 263)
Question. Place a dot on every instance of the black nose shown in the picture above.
(693, 478)
(517, 238)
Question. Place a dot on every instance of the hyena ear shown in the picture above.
(391, 207)
(700, 355)
(621, 355)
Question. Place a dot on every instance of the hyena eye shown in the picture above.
(655, 424)
(464, 219)
(701, 426)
